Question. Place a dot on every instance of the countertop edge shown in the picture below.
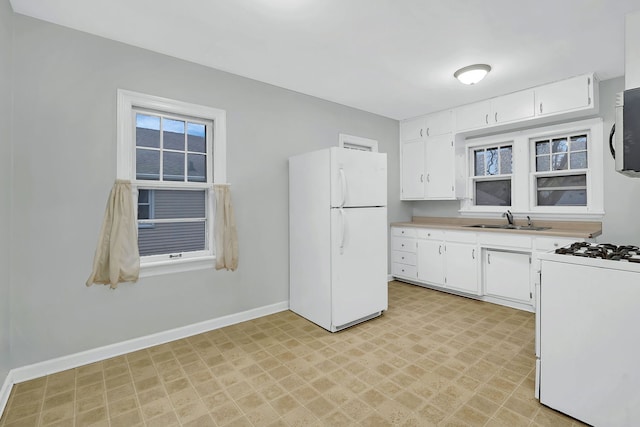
(553, 232)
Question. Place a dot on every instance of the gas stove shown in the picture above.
(603, 251)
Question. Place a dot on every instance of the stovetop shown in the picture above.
(603, 251)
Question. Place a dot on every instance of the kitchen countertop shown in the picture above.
(578, 229)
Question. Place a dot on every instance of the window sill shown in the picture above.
(158, 268)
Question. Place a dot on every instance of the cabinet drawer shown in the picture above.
(461, 236)
(427, 233)
(405, 244)
(490, 238)
(546, 244)
(403, 270)
(400, 257)
(403, 232)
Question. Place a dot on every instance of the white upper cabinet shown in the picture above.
(570, 97)
(413, 129)
(512, 107)
(439, 123)
(473, 116)
(565, 96)
(440, 167)
(413, 170)
(428, 157)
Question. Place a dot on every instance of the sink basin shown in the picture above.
(509, 227)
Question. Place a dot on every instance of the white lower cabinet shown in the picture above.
(461, 266)
(507, 275)
(431, 261)
(496, 267)
(403, 253)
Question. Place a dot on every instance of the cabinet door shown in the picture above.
(472, 116)
(461, 267)
(567, 95)
(430, 261)
(507, 275)
(413, 170)
(412, 129)
(512, 107)
(440, 167)
(439, 123)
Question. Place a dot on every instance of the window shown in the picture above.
(172, 152)
(553, 171)
(492, 168)
(561, 170)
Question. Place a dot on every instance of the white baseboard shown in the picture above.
(71, 361)
(5, 391)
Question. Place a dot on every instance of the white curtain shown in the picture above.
(224, 227)
(117, 258)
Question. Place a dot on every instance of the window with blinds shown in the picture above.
(171, 159)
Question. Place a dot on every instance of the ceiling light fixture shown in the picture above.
(472, 74)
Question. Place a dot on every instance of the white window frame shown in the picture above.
(468, 203)
(127, 102)
(523, 201)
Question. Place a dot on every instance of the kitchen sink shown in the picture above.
(509, 227)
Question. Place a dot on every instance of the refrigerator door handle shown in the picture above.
(343, 184)
(342, 230)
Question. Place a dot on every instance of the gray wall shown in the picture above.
(5, 182)
(621, 194)
(65, 163)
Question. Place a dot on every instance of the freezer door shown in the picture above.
(358, 263)
(358, 178)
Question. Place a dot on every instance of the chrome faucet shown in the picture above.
(509, 216)
(529, 223)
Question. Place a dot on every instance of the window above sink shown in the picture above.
(552, 171)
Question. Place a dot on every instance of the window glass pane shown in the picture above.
(505, 160)
(562, 181)
(492, 161)
(559, 145)
(173, 166)
(173, 134)
(147, 131)
(559, 162)
(578, 160)
(143, 212)
(542, 163)
(175, 237)
(562, 197)
(147, 164)
(493, 193)
(479, 163)
(143, 196)
(542, 147)
(171, 204)
(579, 143)
(196, 137)
(197, 168)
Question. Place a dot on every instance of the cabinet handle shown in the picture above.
(427, 131)
(402, 244)
(495, 116)
(428, 177)
(402, 232)
(402, 257)
(473, 254)
(420, 133)
(541, 107)
(421, 177)
(488, 258)
(440, 249)
(555, 244)
(486, 118)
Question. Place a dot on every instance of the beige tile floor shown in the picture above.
(432, 359)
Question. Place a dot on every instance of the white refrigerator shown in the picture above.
(338, 236)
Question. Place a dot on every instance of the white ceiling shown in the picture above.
(395, 58)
